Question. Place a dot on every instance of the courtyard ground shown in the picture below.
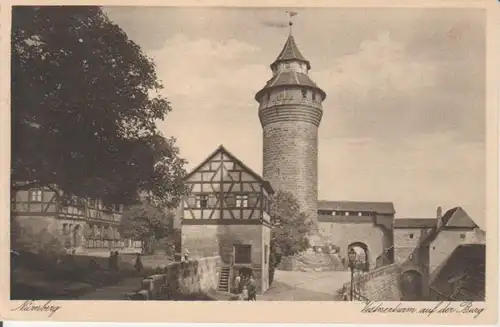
(306, 286)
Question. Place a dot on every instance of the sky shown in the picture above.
(404, 117)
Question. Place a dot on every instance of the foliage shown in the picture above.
(290, 229)
(85, 102)
(290, 225)
(25, 238)
(147, 223)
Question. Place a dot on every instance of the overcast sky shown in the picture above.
(404, 117)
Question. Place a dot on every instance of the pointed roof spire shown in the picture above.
(290, 50)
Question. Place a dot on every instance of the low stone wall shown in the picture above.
(189, 277)
(382, 284)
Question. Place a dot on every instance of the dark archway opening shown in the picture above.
(363, 255)
(411, 286)
(76, 236)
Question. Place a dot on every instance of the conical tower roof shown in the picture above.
(291, 52)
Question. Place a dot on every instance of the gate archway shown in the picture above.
(363, 255)
(411, 286)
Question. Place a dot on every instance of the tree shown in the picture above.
(25, 238)
(146, 223)
(290, 229)
(85, 102)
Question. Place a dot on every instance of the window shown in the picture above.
(242, 253)
(242, 201)
(360, 214)
(304, 93)
(191, 201)
(212, 200)
(65, 229)
(462, 236)
(411, 235)
(92, 203)
(36, 195)
(230, 201)
(117, 207)
(202, 201)
(316, 97)
(334, 213)
(346, 213)
(265, 254)
(287, 65)
(252, 200)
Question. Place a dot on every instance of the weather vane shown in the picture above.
(290, 15)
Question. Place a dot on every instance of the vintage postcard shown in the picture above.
(328, 162)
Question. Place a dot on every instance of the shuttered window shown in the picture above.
(242, 253)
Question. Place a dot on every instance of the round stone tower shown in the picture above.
(290, 112)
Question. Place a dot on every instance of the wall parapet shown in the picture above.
(381, 284)
(186, 277)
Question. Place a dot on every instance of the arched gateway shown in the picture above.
(363, 255)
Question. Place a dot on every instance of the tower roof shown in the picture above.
(290, 78)
(291, 52)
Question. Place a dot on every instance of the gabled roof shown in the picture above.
(222, 149)
(415, 222)
(453, 218)
(377, 207)
(291, 51)
(458, 218)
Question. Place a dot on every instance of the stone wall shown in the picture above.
(406, 240)
(218, 240)
(342, 234)
(444, 244)
(382, 284)
(189, 277)
(290, 160)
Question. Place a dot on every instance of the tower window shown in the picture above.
(411, 235)
(462, 236)
(304, 93)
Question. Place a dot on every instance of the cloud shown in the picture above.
(381, 91)
(379, 66)
(274, 23)
(208, 82)
(417, 174)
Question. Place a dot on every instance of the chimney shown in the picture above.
(439, 216)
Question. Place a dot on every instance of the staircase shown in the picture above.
(224, 279)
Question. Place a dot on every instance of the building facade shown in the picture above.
(366, 226)
(290, 111)
(82, 225)
(226, 214)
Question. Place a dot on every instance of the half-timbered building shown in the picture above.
(226, 213)
(82, 225)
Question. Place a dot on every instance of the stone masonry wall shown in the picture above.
(406, 241)
(290, 161)
(218, 240)
(344, 234)
(382, 284)
(194, 276)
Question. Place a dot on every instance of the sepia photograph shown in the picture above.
(248, 154)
